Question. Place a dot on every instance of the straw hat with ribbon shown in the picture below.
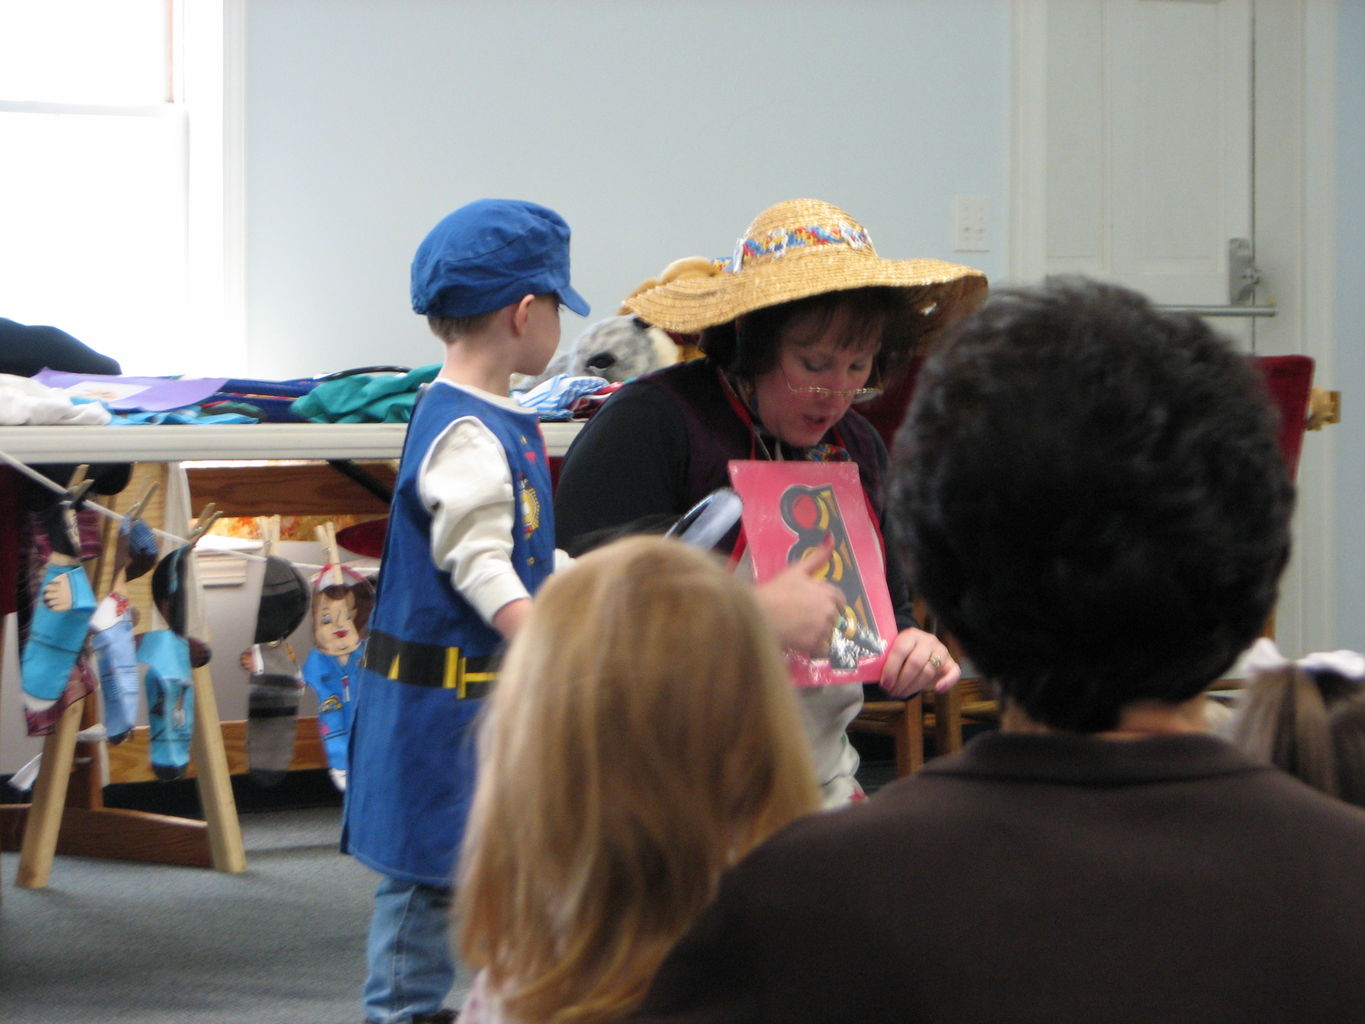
(793, 250)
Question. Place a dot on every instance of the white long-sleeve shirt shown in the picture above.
(467, 484)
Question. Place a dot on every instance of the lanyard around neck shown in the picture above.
(756, 443)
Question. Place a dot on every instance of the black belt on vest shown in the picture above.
(419, 664)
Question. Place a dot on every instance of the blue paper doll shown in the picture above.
(61, 615)
(342, 600)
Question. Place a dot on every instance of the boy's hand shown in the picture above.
(508, 619)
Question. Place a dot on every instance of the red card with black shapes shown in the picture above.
(789, 507)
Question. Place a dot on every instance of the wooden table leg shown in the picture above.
(213, 780)
(49, 800)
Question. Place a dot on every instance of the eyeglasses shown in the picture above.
(857, 394)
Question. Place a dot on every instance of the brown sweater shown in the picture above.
(1044, 879)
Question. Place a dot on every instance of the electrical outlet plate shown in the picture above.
(971, 223)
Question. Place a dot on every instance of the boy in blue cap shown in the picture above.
(470, 539)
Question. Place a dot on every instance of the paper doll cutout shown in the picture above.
(61, 613)
(342, 601)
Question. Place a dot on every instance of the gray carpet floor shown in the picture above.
(281, 943)
(119, 942)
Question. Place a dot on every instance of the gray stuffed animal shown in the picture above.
(616, 349)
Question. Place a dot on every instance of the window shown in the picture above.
(117, 215)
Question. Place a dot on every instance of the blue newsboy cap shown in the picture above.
(490, 253)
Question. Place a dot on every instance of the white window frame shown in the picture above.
(213, 52)
(208, 90)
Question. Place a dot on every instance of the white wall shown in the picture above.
(657, 129)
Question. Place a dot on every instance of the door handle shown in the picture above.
(1242, 311)
(1243, 275)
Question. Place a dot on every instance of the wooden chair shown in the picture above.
(903, 720)
(942, 715)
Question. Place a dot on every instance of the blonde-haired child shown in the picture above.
(642, 737)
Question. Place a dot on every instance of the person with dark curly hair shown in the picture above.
(1092, 501)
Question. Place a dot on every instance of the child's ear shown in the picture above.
(521, 312)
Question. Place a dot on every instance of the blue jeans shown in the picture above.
(412, 967)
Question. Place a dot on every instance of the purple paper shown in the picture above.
(148, 394)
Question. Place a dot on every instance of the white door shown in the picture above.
(1148, 134)
(1144, 165)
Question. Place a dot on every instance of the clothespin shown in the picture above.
(75, 496)
(270, 533)
(204, 523)
(78, 482)
(140, 505)
(326, 534)
(63, 533)
(134, 533)
(76, 490)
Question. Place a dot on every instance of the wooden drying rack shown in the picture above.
(67, 813)
(244, 470)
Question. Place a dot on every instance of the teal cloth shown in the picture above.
(180, 417)
(365, 397)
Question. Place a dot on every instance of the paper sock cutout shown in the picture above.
(61, 619)
(170, 658)
(273, 701)
(115, 657)
(272, 710)
(170, 700)
(111, 637)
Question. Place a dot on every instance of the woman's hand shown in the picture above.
(917, 661)
(801, 608)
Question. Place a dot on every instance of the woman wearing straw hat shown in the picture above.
(804, 320)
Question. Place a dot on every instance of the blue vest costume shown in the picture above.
(412, 745)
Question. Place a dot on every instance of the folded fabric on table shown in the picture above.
(365, 397)
(273, 399)
(554, 399)
(121, 393)
(180, 417)
(26, 401)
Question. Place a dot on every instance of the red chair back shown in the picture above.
(1290, 381)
